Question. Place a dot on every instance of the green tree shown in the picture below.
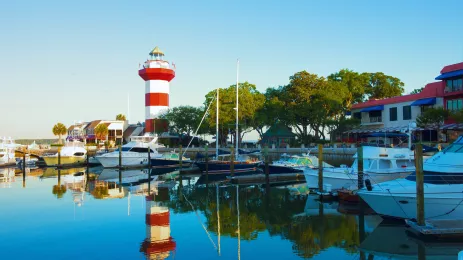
(354, 82)
(250, 101)
(307, 103)
(120, 117)
(184, 119)
(381, 86)
(59, 130)
(417, 90)
(101, 132)
(433, 118)
(457, 116)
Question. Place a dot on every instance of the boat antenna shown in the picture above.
(237, 105)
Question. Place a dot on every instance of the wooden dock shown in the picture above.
(438, 227)
(273, 178)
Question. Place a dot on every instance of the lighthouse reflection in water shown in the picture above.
(158, 243)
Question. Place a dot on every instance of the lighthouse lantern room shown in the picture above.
(157, 74)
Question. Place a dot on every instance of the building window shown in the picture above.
(454, 85)
(375, 116)
(357, 115)
(455, 104)
(393, 114)
(407, 112)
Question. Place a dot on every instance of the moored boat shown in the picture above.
(380, 164)
(72, 153)
(294, 164)
(133, 154)
(443, 189)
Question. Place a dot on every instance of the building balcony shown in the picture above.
(372, 120)
(453, 91)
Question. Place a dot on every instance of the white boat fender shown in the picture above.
(368, 185)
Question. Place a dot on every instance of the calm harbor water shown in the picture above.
(84, 214)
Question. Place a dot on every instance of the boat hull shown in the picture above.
(65, 160)
(277, 169)
(112, 161)
(342, 178)
(168, 163)
(219, 167)
(441, 202)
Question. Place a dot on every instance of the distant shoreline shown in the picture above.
(37, 141)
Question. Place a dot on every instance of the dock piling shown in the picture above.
(59, 157)
(320, 167)
(206, 148)
(24, 170)
(360, 167)
(266, 169)
(149, 170)
(180, 158)
(120, 156)
(419, 185)
(232, 161)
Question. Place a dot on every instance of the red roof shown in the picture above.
(453, 67)
(435, 89)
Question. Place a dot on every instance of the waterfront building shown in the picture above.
(116, 130)
(393, 115)
(77, 132)
(157, 74)
(451, 78)
(278, 135)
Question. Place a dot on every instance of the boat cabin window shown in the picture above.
(140, 150)
(79, 154)
(126, 149)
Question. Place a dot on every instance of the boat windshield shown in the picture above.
(140, 150)
(438, 177)
(454, 148)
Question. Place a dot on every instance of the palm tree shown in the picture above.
(120, 117)
(59, 129)
(101, 132)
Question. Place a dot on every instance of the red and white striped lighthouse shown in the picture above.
(157, 73)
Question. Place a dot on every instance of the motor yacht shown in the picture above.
(443, 189)
(72, 153)
(294, 164)
(379, 164)
(7, 151)
(133, 154)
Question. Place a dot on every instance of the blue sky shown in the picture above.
(65, 61)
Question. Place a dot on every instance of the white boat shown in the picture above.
(71, 153)
(294, 164)
(443, 189)
(7, 151)
(135, 153)
(7, 176)
(379, 164)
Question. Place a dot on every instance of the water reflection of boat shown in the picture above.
(52, 172)
(128, 176)
(158, 243)
(7, 176)
(401, 246)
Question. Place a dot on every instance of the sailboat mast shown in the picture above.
(237, 105)
(217, 127)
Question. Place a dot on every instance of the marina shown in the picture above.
(231, 130)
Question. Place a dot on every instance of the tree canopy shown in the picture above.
(101, 131)
(433, 118)
(250, 101)
(184, 119)
(417, 90)
(120, 117)
(59, 130)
